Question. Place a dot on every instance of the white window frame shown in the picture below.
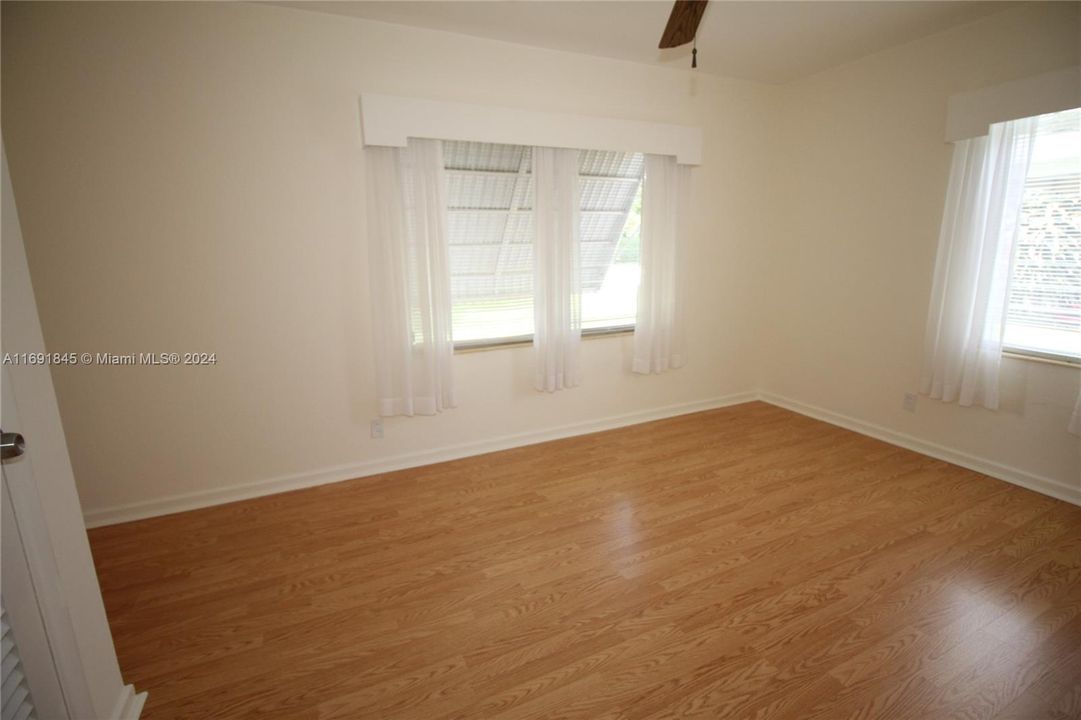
(1035, 353)
(970, 114)
(390, 120)
(527, 339)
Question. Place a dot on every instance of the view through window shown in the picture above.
(1044, 313)
(490, 223)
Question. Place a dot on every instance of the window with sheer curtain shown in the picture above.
(1043, 315)
(491, 232)
(1008, 269)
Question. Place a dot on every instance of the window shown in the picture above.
(1044, 312)
(490, 226)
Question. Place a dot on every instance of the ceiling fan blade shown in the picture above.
(682, 23)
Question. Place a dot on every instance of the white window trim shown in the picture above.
(469, 346)
(1041, 356)
(1022, 352)
(970, 114)
(390, 120)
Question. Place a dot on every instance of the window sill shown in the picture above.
(527, 341)
(1061, 360)
(493, 345)
(607, 332)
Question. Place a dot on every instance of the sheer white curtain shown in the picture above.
(658, 331)
(1075, 419)
(410, 278)
(967, 314)
(557, 295)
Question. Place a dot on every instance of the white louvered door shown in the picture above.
(14, 692)
(50, 592)
(31, 683)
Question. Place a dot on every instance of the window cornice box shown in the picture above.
(390, 120)
(970, 114)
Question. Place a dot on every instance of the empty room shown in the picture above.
(523, 360)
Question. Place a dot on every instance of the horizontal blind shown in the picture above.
(611, 217)
(15, 702)
(1044, 312)
(490, 228)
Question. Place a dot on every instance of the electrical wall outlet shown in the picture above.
(377, 428)
(909, 403)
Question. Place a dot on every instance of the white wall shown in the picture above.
(92, 683)
(190, 178)
(864, 169)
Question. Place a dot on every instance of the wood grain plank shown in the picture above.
(746, 562)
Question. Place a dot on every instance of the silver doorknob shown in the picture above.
(12, 445)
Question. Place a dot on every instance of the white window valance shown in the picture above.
(970, 114)
(389, 120)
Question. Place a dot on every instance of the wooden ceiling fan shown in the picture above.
(682, 26)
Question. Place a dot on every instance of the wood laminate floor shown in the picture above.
(740, 563)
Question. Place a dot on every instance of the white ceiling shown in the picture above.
(771, 42)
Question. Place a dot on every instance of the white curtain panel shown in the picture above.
(557, 294)
(967, 315)
(1075, 419)
(659, 331)
(410, 278)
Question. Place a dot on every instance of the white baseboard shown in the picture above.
(1013, 475)
(205, 498)
(129, 705)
